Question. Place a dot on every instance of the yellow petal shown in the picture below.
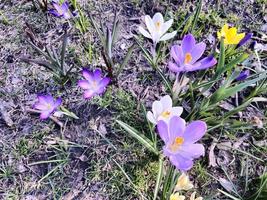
(176, 196)
(183, 183)
(240, 37)
(219, 35)
(193, 196)
(232, 32)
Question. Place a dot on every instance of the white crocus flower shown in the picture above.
(157, 28)
(163, 110)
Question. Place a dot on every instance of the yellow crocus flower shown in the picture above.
(183, 183)
(230, 35)
(177, 196)
(193, 197)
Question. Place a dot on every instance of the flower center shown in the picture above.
(165, 114)
(175, 145)
(158, 25)
(188, 58)
(49, 106)
(94, 84)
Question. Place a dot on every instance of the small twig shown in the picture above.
(51, 117)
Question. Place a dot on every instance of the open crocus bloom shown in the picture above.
(47, 105)
(60, 10)
(94, 83)
(163, 110)
(230, 35)
(183, 183)
(180, 141)
(157, 28)
(177, 196)
(187, 55)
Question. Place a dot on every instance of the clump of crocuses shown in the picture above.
(94, 84)
(186, 56)
(47, 105)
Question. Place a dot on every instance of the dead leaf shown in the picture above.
(5, 115)
(226, 184)
(224, 146)
(212, 159)
(72, 195)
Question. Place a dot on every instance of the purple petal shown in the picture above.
(177, 54)
(45, 114)
(45, 99)
(97, 75)
(100, 90)
(197, 51)
(58, 8)
(243, 75)
(204, 63)
(181, 163)
(65, 6)
(174, 67)
(194, 131)
(188, 43)
(247, 37)
(54, 12)
(104, 82)
(162, 128)
(66, 15)
(176, 127)
(40, 106)
(84, 84)
(88, 75)
(57, 102)
(191, 151)
(89, 94)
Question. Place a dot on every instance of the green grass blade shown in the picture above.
(221, 61)
(196, 16)
(141, 138)
(224, 93)
(159, 178)
(125, 60)
(228, 195)
(63, 51)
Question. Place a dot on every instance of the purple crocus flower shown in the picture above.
(47, 105)
(180, 141)
(60, 10)
(187, 56)
(247, 37)
(243, 75)
(94, 83)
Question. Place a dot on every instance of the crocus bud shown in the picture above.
(247, 37)
(243, 75)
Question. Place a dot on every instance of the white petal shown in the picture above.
(151, 117)
(157, 108)
(168, 36)
(177, 111)
(150, 25)
(166, 26)
(158, 18)
(166, 102)
(144, 32)
(156, 37)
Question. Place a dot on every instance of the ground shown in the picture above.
(92, 157)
